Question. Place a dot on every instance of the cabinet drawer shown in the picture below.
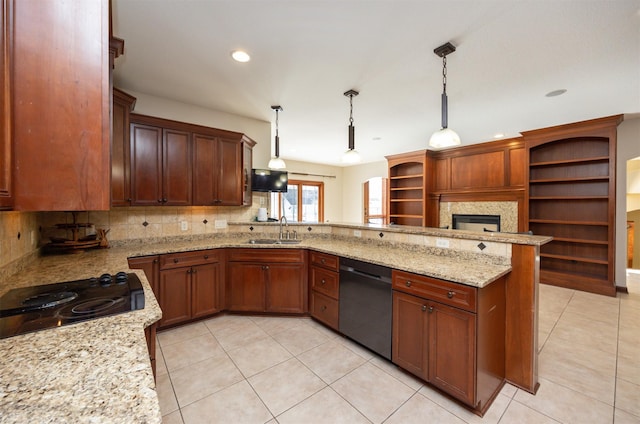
(324, 260)
(197, 257)
(325, 281)
(324, 309)
(275, 255)
(446, 292)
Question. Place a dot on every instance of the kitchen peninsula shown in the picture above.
(100, 369)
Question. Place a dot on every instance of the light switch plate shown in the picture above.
(357, 233)
(184, 225)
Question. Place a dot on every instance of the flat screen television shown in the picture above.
(269, 180)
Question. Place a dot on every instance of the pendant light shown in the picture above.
(445, 137)
(276, 162)
(351, 156)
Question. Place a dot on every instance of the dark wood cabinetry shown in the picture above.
(408, 178)
(324, 280)
(451, 335)
(175, 163)
(6, 31)
(60, 112)
(269, 280)
(571, 196)
(218, 171)
(120, 148)
(160, 166)
(189, 286)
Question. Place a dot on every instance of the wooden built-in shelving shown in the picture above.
(570, 191)
(407, 188)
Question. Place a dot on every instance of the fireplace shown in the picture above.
(476, 222)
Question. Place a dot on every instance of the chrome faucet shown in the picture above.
(286, 223)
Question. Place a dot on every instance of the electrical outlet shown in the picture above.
(442, 243)
(184, 225)
(220, 223)
(357, 233)
(261, 201)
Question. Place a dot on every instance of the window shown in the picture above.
(303, 202)
(375, 201)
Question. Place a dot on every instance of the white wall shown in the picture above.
(628, 148)
(259, 131)
(352, 194)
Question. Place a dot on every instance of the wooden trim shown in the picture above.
(589, 128)
(6, 131)
(622, 289)
(300, 183)
(521, 348)
(136, 118)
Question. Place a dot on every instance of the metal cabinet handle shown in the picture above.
(324, 308)
(155, 261)
(424, 308)
(430, 308)
(193, 271)
(159, 200)
(323, 281)
(175, 260)
(206, 256)
(450, 294)
(323, 260)
(408, 283)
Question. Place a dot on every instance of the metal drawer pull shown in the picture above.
(322, 260)
(324, 308)
(206, 256)
(450, 294)
(424, 308)
(408, 283)
(430, 308)
(323, 281)
(175, 260)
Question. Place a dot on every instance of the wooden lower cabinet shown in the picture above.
(324, 282)
(150, 336)
(460, 351)
(272, 280)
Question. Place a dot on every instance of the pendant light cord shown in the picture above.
(444, 74)
(351, 109)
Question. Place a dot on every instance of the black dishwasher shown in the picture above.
(366, 304)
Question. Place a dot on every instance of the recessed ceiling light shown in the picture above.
(498, 135)
(555, 93)
(240, 56)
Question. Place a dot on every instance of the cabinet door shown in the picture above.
(176, 169)
(286, 288)
(60, 83)
(230, 178)
(452, 343)
(175, 296)
(146, 165)
(410, 348)
(205, 290)
(149, 264)
(120, 151)
(6, 200)
(246, 286)
(205, 170)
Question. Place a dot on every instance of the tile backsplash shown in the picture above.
(149, 222)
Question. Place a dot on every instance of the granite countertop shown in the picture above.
(99, 370)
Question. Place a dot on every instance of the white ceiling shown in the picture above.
(306, 53)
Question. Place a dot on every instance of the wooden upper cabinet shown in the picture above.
(146, 165)
(181, 164)
(176, 168)
(120, 148)
(60, 87)
(217, 171)
(6, 199)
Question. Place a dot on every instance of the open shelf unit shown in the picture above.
(407, 182)
(570, 192)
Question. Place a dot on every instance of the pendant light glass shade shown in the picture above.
(445, 137)
(276, 162)
(351, 156)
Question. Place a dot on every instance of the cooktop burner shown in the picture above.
(35, 308)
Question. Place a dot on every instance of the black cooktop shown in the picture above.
(27, 309)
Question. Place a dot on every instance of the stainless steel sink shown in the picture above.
(273, 241)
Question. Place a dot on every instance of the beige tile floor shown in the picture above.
(234, 369)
